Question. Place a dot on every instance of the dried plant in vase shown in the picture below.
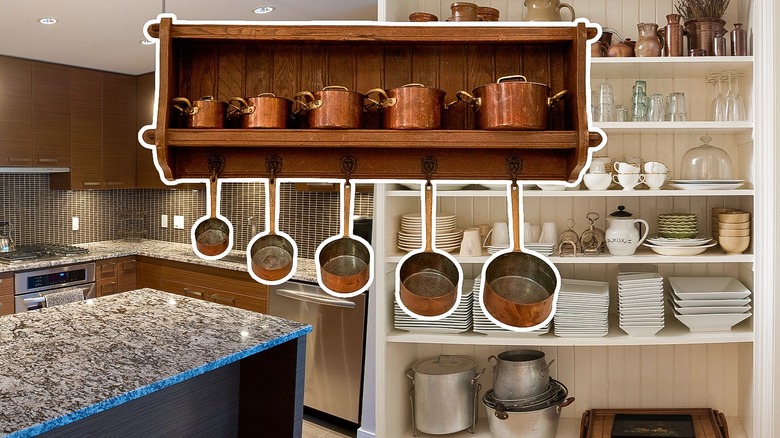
(696, 9)
(703, 22)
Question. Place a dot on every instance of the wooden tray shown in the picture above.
(621, 423)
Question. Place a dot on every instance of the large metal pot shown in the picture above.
(205, 112)
(444, 395)
(262, 111)
(512, 103)
(332, 107)
(520, 374)
(539, 423)
(412, 106)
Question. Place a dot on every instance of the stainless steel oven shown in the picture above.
(31, 287)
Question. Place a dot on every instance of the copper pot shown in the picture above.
(205, 112)
(486, 13)
(512, 103)
(422, 17)
(262, 111)
(412, 106)
(333, 107)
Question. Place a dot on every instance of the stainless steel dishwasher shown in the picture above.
(334, 348)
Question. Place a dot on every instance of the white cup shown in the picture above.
(597, 181)
(624, 167)
(655, 167)
(498, 235)
(628, 180)
(549, 233)
(536, 232)
(655, 180)
(471, 245)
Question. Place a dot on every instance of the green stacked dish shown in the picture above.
(678, 225)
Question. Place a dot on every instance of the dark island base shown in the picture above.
(261, 395)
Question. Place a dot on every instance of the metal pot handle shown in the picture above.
(479, 374)
(187, 108)
(266, 94)
(384, 101)
(307, 100)
(546, 369)
(512, 78)
(491, 363)
(559, 96)
(242, 108)
(414, 84)
(335, 87)
(465, 96)
(411, 399)
(563, 404)
(500, 411)
(410, 376)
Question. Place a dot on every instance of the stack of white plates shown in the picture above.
(492, 249)
(707, 304)
(706, 184)
(448, 236)
(679, 247)
(641, 303)
(545, 249)
(485, 326)
(457, 322)
(582, 308)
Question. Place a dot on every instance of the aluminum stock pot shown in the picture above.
(520, 374)
(512, 103)
(265, 110)
(412, 106)
(205, 112)
(333, 107)
(444, 395)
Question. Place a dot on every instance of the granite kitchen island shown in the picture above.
(149, 363)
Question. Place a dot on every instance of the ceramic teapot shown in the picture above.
(546, 10)
(622, 236)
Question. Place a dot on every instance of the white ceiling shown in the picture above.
(105, 34)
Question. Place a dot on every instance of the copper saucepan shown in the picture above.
(511, 103)
(272, 255)
(412, 106)
(265, 110)
(333, 107)
(429, 280)
(519, 288)
(205, 112)
(344, 264)
(211, 234)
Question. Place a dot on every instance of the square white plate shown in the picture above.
(700, 303)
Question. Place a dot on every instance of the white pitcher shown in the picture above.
(622, 235)
(546, 10)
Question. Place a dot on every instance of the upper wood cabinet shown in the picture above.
(16, 137)
(51, 111)
(119, 130)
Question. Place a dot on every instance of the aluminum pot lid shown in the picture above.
(444, 365)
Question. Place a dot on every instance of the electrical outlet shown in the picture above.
(178, 222)
(74, 223)
(164, 221)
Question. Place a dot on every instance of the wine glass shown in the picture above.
(717, 111)
(736, 112)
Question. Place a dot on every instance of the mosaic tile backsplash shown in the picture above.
(40, 215)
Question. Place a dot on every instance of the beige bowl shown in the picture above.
(734, 233)
(736, 226)
(733, 218)
(718, 210)
(734, 245)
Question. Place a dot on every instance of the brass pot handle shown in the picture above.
(465, 96)
(187, 108)
(307, 100)
(559, 96)
(383, 102)
(335, 87)
(512, 78)
(414, 84)
(242, 108)
(266, 95)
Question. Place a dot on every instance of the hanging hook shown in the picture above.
(274, 165)
(348, 166)
(216, 165)
(514, 166)
(429, 167)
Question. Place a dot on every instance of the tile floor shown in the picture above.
(315, 428)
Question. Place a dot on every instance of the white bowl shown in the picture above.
(679, 250)
(597, 181)
(552, 187)
(641, 330)
(714, 322)
(708, 288)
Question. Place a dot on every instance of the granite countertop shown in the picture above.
(180, 252)
(64, 363)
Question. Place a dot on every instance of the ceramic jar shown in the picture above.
(673, 34)
(622, 235)
(648, 44)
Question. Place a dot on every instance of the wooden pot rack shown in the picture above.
(225, 61)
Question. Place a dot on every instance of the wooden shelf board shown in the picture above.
(692, 127)
(576, 193)
(669, 68)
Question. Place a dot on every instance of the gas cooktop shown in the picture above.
(45, 251)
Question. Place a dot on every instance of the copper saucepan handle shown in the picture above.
(465, 96)
(307, 100)
(335, 87)
(559, 96)
(383, 102)
(512, 78)
(242, 108)
(187, 108)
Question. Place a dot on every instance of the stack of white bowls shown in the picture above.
(641, 303)
(582, 308)
(709, 303)
(448, 236)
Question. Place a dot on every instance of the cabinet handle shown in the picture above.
(90, 184)
(19, 160)
(224, 300)
(115, 183)
(192, 293)
(48, 160)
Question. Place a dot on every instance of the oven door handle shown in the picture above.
(35, 300)
(315, 298)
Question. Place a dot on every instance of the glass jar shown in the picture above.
(706, 162)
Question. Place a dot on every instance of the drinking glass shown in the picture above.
(621, 113)
(606, 102)
(717, 107)
(655, 108)
(676, 109)
(639, 102)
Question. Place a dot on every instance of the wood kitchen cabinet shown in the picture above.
(119, 132)
(16, 138)
(6, 293)
(148, 272)
(115, 275)
(51, 112)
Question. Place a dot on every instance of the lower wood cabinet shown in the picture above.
(6, 293)
(115, 275)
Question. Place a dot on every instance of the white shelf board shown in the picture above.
(692, 127)
(673, 333)
(669, 67)
(642, 255)
(534, 193)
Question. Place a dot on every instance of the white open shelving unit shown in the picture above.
(675, 368)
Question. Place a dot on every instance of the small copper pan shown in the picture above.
(429, 280)
(412, 106)
(519, 288)
(205, 112)
(265, 110)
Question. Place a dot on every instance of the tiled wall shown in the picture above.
(42, 215)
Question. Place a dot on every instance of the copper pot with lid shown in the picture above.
(412, 106)
(266, 110)
(333, 107)
(206, 112)
(511, 103)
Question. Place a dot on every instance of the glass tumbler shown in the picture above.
(676, 110)
(606, 103)
(655, 108)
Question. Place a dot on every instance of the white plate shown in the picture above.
(701, 303)
(665, 241)
(584, 287)
(712, 322)
(723, 186)
(710, 310)
(433, 330)
(707, 288)
(706, 181)
(679, 250)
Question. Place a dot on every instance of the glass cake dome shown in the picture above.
(706, 162)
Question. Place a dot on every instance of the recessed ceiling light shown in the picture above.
(48, 20)
(146, 42)
(263, 9)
